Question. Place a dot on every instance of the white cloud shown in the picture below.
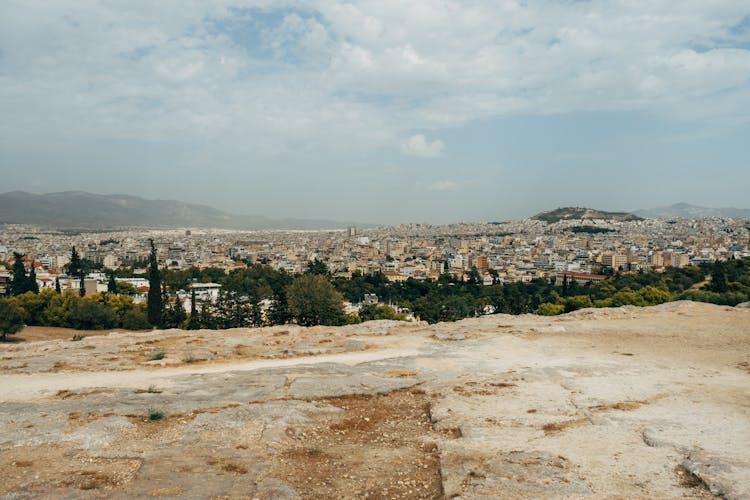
(443, 186)
(418, 145)
(334, 78)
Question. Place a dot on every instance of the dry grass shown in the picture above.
(689, 480)
(226, 464)
(554, 427)
(622, 406)
(91, 480)
(165, 492)
(400, 373)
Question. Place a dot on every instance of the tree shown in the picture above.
(154, 303)
(719, 281)
(82, 286)
(11, 317)
(57, 285)
(74, 267)
(317, 267)
(549, 309)
(125, 288)
(31, 283)
(371, 312)
(193, 323)
(112, 284)
(312, 300)
(20, 283)
(174, 315)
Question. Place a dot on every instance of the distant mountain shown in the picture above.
(687, 211)
(88, 210)
(575, 213)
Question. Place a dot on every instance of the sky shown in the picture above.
(379, 111)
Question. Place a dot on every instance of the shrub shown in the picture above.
(550, 309)
(157, 355)
(155, 414)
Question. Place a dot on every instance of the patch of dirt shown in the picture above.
(165, 492)
(690, 481)
(622, 406)
(41, 333)
(472, 388)
(400, 373)
(554, 427)
(64, 394)
(379, 446)
(34, 469)
(226, 464)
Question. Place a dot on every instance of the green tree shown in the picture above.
(74, 266)
(57, 285)
(367, 313)
(35, 305)
(82, 286)
(154, 303)
(550, 309)
(317, 267)
(719, 280)
(20, 283)
(11, 317)
(125, 288)
(112, 284)
(193, 322)
(31, 283)
(312, 300)
(174, 314)
(576, 302)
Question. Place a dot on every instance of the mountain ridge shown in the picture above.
(91, 210)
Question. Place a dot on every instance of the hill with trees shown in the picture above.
(581, 213)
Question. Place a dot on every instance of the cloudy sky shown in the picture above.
(379, 111)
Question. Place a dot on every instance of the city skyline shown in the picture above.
(378, 112)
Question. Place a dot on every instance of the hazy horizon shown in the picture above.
(379, 112)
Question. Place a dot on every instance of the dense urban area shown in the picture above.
(89, 279)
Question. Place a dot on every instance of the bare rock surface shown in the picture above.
(625, 402)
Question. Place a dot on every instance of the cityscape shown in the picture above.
(502, 252)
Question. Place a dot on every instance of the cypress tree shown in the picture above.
(31, 284)
(82, 286)
(74, 267)
(154, 303)
(19, 284)
(194, 323)
(112, 284)
(57, 285)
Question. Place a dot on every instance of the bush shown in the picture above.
(577, 302)
(368, 313)
(135, 319)
(154, 415)
(550, 309)
(11, 317)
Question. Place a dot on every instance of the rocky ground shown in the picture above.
(627, 402)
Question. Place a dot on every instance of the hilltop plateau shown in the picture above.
(625, 402)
